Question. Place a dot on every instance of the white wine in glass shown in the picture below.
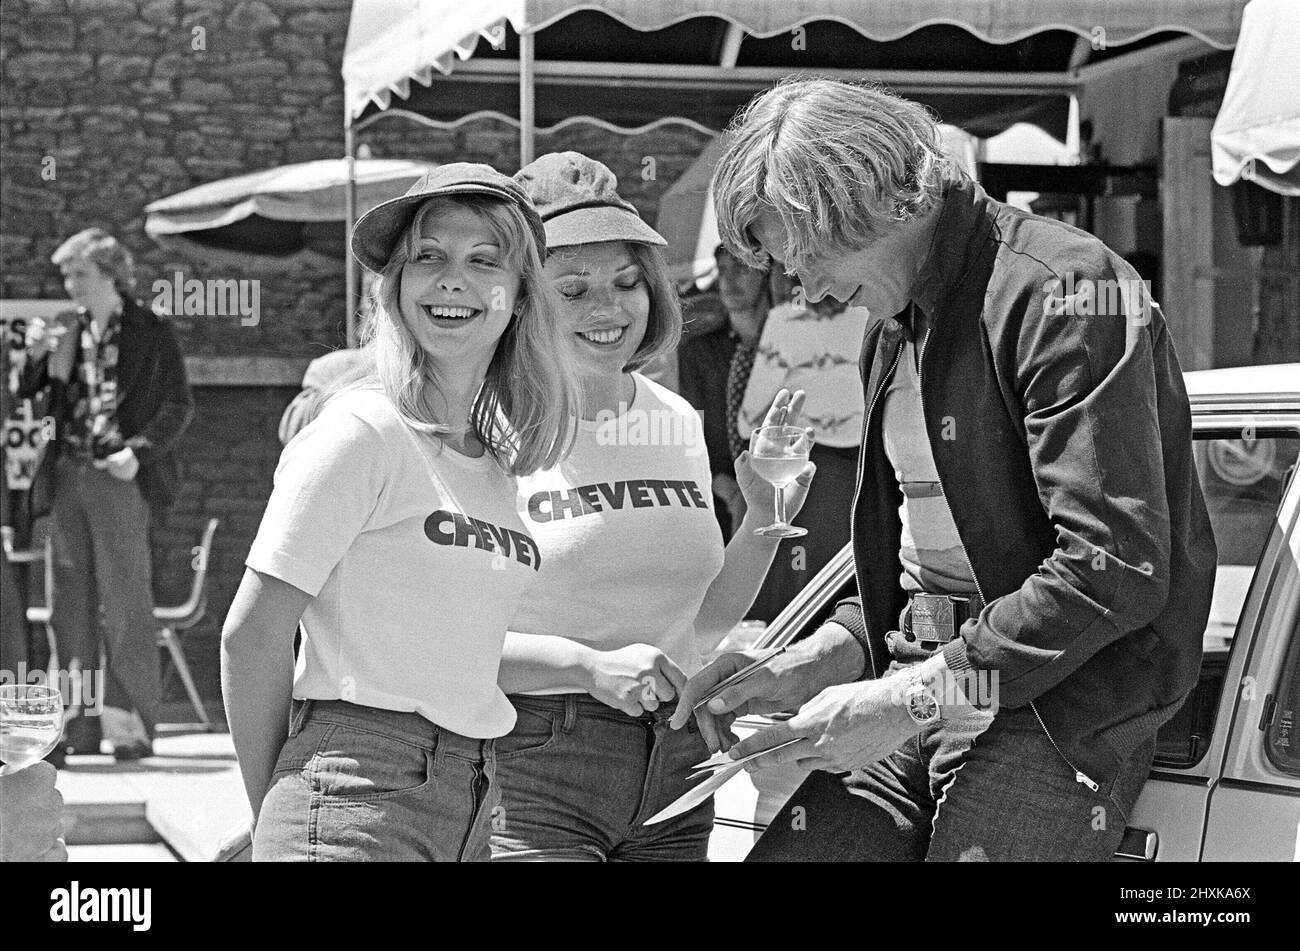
(778, 454)
(31, 722)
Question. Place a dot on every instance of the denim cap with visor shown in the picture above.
(377, 231)
(579, 202)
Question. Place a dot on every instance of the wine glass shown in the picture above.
(31, 722)
(778, 454)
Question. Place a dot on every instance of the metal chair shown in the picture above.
(170, 620)
(37, 614)
(185, 615)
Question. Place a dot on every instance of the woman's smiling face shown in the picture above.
(606, 303)
(458, 290)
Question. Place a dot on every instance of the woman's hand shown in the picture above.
(759, 498)
(634, 679)
(728, 490)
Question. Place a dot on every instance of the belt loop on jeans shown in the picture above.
(570, 712)
(298, 711)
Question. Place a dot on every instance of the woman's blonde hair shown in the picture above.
(526, 412)
(836, 162)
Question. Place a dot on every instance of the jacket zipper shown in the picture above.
(853, 542)
(1079, 775)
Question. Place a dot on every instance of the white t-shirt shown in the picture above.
(629, 540)
(930, 549)
(416, 559)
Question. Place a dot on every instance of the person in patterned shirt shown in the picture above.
(114, 383)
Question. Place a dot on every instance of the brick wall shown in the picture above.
(112, 96)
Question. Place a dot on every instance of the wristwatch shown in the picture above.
(921, 704)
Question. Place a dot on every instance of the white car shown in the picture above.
(1226, 780)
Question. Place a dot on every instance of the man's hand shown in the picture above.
(770, 690)
(830, 656)
(44, 335)
(844, 727)
(122, 464)
(634, 679)
(52, 336)
(31, 816)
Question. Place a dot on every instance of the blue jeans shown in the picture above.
(356, 783)
(978, 788)
(102, 573)
(578, 778)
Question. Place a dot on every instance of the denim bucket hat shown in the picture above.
(577, 198)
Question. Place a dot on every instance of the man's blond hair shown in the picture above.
(836, 162)
(101, 249)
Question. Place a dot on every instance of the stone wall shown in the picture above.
(108, 104)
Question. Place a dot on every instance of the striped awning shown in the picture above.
(392, 42)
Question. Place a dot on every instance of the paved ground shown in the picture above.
(184, 800)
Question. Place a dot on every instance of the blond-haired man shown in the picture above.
(1028, 468)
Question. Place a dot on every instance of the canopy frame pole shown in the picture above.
(350, 216)
(527, 90)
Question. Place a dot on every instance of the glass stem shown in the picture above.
(780, 505)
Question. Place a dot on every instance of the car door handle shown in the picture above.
(1139, 844)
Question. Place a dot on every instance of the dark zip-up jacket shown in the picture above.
(1062, 438)
(154, 405)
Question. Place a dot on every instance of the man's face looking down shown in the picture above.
(878, 277)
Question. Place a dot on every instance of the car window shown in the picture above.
(1244, 481)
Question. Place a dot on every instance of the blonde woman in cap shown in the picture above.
(392, 536)
(637, 585)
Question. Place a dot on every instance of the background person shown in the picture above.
(813, 346)
(713, 372)
(119, 400)
(776, 340)
(323, 375)
(392, 535)
(637, 585)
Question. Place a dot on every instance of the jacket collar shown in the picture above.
(965, 221)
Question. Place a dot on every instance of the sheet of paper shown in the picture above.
(722, 760)
(698, 794)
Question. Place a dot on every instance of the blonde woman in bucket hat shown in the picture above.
(392, 537)
(637, 586)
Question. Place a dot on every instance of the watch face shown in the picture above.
(922, 706)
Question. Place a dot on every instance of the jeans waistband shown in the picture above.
(408, 727)
(572, 706)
